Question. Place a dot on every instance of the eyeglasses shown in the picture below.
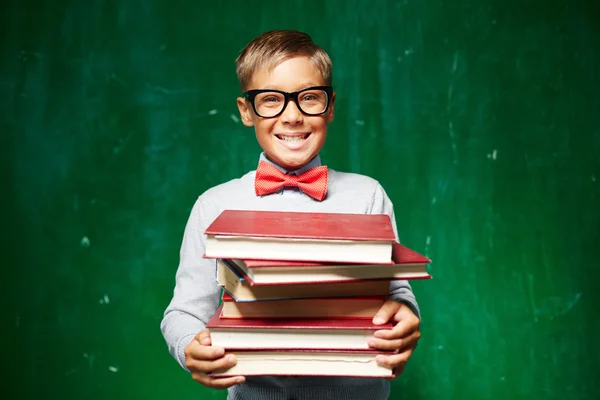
(269, 103)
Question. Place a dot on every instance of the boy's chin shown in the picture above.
(292, 164)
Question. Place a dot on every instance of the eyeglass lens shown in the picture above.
(312, 102)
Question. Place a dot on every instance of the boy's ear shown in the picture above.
(331, 111)
(245, 112)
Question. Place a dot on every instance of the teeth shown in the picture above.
(291, 138)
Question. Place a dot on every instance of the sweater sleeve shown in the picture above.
(196, 294)
(400, 290)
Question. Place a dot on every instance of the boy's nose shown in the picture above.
(292, 113)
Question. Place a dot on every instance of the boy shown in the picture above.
(288, 99)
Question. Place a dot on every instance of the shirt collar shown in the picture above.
(315, 162)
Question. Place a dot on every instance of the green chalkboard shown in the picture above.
(480, 118)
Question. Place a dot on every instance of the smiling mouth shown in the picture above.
(293, 139)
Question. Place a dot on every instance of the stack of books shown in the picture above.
(301, 289)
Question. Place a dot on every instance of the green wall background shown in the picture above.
(480, 118)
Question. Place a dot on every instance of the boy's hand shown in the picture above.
(402, 338)
(201, 358)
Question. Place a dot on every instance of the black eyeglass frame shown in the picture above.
(250, 95)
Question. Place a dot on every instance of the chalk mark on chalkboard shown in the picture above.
(235, 118)
(113, 369)
(455, 62)
(104, 300)
(25, 54)
(551, 307)
(572, 303)
(90, 358)
(452, 140)
(85, 242)
(449, 111)
(165, 91)
(593, 178)
(72, 371)
(555, 306)
(123, 142)
(493, 155)
(99, 202)
(115, 78)
(531, 299)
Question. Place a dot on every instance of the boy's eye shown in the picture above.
(313, 96)
(270, 99)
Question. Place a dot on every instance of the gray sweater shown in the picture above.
(196, 295)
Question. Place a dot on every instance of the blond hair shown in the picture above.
(271, 48)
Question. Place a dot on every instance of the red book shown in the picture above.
(408, 264)
(234, 281)
(306, 363)
(322, 307)
(301, 236)
(291, 333)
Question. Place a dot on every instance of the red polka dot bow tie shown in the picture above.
(270, 179)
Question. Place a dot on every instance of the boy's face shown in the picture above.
(291, 139)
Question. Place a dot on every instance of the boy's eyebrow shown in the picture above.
(303, 86)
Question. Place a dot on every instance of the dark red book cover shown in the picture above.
(303, 225)
(238, 271)
(226, 297)
(292, 323)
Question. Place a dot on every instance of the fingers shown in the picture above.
(203, 338)
(403, 329)
(385, 313)
(196, 351)
(401, 340)
(396, 362)
(201, 368)
(407, 324)
(201, 359)
(392, 342)
(217, 383)
(208, 366)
